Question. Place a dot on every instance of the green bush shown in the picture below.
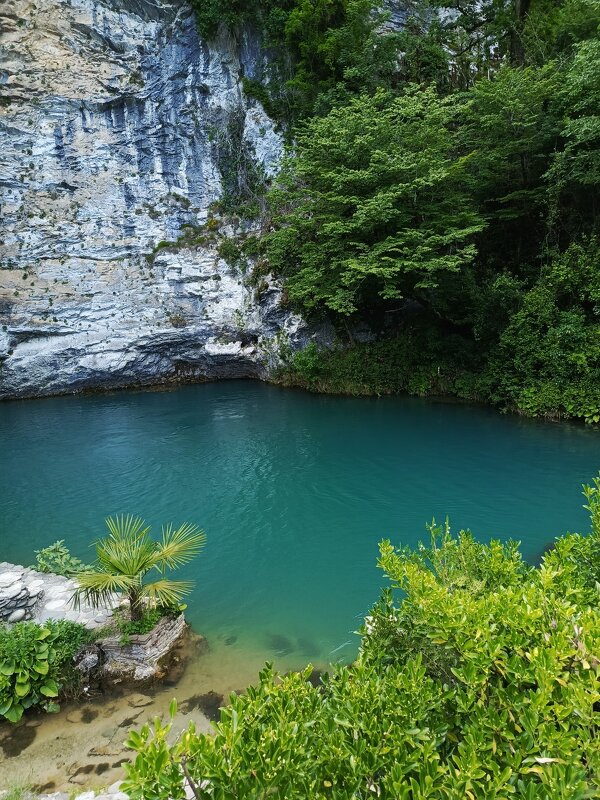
(482, 682)
(36, 665)
(150, 616)
(229, 251)
(421, 360)
(548, 358)
(58, 559)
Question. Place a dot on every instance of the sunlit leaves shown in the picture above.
(482, 683)
(373, 204)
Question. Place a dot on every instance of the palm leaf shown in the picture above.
(128, 553)
(179, 546)
(126, 527)
(130, 557)
(165, 592)
(100, 588)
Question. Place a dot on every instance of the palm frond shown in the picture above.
(127, 554)
(100, 588)
(179, 546)
(126, 527)
(124, 553)
(165, 592)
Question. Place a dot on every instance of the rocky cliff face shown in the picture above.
(111, 114)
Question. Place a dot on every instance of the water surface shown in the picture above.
(294, 491)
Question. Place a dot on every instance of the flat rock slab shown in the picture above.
(38, 596)
(8, 579)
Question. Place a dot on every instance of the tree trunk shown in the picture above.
(135, 606)
(517, 50)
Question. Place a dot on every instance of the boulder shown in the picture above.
(146, 657)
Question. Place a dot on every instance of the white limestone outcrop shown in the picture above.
(113, 114)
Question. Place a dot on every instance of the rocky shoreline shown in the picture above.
(122, 681)
(29, 595)
(26, 594)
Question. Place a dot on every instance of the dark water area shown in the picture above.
(294, 491)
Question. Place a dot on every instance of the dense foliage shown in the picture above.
(483, 682)
(36, 665)
(380, 205)
(446, 156)
(546, 359)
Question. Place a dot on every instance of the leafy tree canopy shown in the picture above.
(374, 203)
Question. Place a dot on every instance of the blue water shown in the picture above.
(293, 490)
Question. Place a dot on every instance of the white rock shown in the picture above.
(56, 589)
(11, 591)
(17, 615)
(8, 579)
(54, 604)
(117, 165)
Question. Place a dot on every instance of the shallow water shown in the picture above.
(294, 491)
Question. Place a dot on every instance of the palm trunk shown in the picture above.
(135, 606)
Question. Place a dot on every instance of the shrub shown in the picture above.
(420, 361)
(548, 358)
(229, 251)
(58, 559)
(36, 664)
(150, 616)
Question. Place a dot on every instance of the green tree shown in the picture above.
(374, 205)
(340, 50)
(548, 358)
(513, 124)
(553, 27)
(128, 554)
(575, 174)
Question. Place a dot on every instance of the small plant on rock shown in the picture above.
(128, 554)
(58, 559)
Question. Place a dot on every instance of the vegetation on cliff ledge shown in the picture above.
(443, 176)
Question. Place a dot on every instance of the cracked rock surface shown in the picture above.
(26, 594)
(111, 112)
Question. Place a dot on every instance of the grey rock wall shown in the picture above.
(110, 115)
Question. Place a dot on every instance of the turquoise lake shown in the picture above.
(293, 490)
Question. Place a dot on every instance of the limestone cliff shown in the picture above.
(110, 117)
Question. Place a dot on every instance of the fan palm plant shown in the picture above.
(128, 554)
